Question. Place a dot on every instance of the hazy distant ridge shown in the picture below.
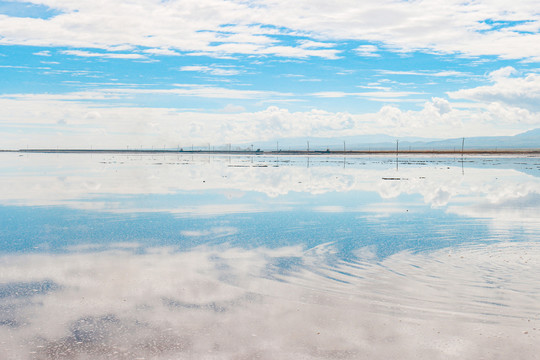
(527, 140)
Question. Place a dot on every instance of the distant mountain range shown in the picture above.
(527, 140)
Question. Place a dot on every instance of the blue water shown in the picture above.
(297, 216)
(103, 255)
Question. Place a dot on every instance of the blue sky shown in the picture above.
(144, 73)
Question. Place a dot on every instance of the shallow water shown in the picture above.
(106, 256)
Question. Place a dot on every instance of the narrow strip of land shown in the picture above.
(288, 152)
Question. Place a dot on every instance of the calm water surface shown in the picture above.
(107, 256)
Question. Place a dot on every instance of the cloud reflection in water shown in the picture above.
(119, 183)
(212, 258)
(226, 302)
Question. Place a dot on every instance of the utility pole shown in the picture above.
(397, 152)
(462, 145)
(344, 148)
(308, 146)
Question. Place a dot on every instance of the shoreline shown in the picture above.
(284, 152)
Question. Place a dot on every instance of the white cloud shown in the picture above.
(376, 87)
(22, 67)
(369, 94)
(127, 125)
(502, 73)
(367, 51)
(212, 70)
(43, 53)
(332, 94)
(308, 44)
(219, 27)
(425, 73)
(208, 92)
(439, 118)
(74, 96)
(442, 105)
(161, 51)
(103, 55)
(188, 90)
(517, 92)
(231, 108)
(299, 52)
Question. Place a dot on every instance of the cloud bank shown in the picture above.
(101, 117)
(218, 27)
(520, 93)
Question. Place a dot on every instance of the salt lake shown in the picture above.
(180, 256)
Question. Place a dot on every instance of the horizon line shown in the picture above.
(529, 151)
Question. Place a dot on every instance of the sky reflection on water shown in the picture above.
(159, 257)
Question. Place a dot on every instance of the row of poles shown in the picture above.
(229, 146)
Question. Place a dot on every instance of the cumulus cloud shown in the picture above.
(129, 125)
(439, 116)
(506, 89)
(502, 73)
(441, 105)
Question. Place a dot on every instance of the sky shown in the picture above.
(149, 73)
